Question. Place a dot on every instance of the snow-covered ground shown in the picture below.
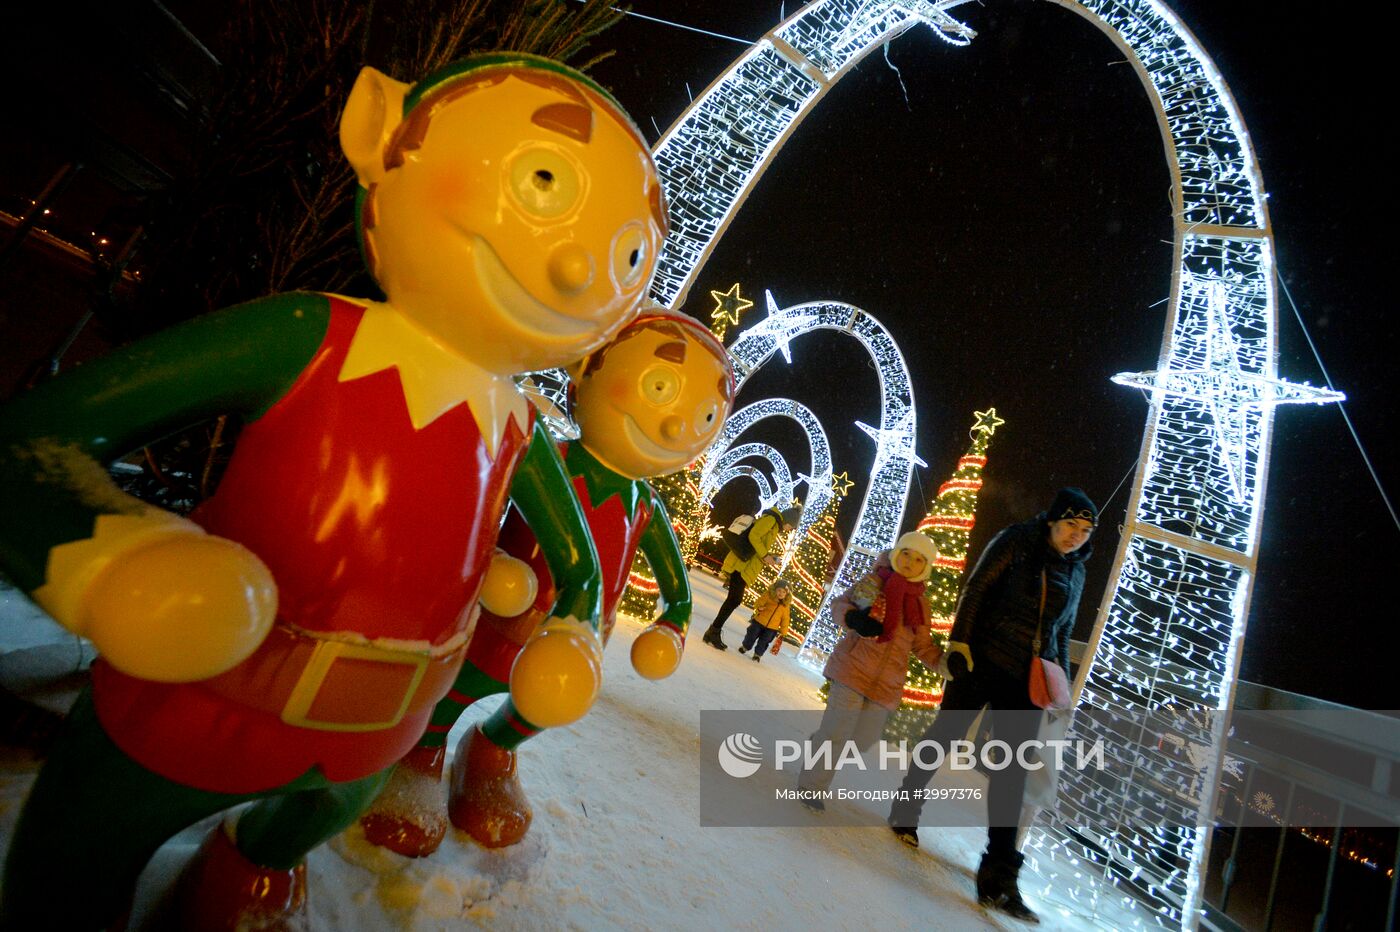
(617, 841)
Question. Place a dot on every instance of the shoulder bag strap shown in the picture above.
(1040, 621)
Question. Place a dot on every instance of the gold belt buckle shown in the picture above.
(297, 709)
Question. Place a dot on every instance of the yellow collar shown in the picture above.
(435, 379)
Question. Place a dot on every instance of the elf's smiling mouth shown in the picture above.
(644, 444)
(511, 299)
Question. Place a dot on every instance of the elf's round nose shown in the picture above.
(672, 426)
(570, 268)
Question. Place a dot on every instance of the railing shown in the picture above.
(1341, 877)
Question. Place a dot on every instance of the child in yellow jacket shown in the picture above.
(771, 618)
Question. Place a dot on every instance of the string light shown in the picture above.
(711, 157)
(729, 305)
(807, 573)
(688, 511)
(818, 484)
(548, 391)
(1208, 373)
(882, 509)
(727, 467)
(950, 519)
(949, 522)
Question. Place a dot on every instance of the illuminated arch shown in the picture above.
(818, 482)
(892, 467)
(1170, 627)
(728, 467)
(766, 493)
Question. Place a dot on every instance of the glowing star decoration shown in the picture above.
(1169, 629)
(728, 306)
(897, 441)
(987, 421)
(841, 484)
(1228, 394)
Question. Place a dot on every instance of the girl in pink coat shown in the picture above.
(887, 619)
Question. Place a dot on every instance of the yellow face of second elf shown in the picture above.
(654, 404)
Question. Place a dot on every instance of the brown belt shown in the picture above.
(330, 685)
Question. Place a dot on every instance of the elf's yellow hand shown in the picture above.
(180, 608)
(556, 676)
(510, 586)
(656, 653)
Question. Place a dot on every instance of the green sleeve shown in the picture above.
(56, 439)
(663, 552)
(542, 491)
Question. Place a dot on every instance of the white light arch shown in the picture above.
(767, 495)
(1170, 628)
(727, 467)
(818, 483)
(887, 488)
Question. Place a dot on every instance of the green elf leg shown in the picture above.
(93, 819)
(252, 873)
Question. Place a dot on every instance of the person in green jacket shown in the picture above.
(763, 537)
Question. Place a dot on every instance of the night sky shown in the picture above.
(1005, 214)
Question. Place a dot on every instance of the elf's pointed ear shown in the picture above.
(373, 112)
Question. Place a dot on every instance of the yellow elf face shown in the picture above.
(653, 402)
(514, 215)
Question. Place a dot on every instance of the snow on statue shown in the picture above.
(647, 404)
(289, 644)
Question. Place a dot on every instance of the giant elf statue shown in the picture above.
(289, 643)
(646, 404)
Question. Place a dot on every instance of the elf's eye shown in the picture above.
(544, 182)
(705, 417)
(630, 256)
(660, 385)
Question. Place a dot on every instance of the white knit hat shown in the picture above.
(919, 543)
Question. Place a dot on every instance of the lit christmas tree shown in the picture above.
(680, 492)
(949, 523)
(806, 575)
(950, 519)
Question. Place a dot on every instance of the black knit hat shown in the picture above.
(1072, 503)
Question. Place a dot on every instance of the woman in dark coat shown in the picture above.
(1030, 577)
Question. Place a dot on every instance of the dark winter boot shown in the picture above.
(910, 836)
(712, 638)
(997, 884)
